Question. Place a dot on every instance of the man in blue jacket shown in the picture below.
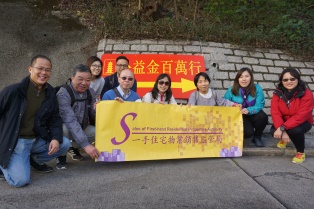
(123, 92)
(30, 125)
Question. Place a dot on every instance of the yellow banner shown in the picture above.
(132, 131)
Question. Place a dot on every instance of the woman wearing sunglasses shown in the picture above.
(161, 92)
(204, 95)
(291, 110)
(251, 97)
(97, 82)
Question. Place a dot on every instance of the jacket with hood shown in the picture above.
(292, 113)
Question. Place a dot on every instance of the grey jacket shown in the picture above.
(214, 100)
(97, 85)
(73, 117)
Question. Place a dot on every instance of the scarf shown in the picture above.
(290, 94)
(245, 94)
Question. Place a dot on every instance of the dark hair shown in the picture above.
(155, 88)
(198, 75)
(91, 60)
(81, 68)
(236, 86)
(34, 59)
(294, 73)
(122, 58)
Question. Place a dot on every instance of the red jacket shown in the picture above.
(292, 113)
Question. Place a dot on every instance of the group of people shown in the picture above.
(291, 107)
(39, 123)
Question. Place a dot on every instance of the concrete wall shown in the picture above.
(24, 33)
(222, 61)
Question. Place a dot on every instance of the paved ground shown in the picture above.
(246, 182)
(262, 178)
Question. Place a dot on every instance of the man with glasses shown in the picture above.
(111, 81)
(30, 125)
(76, 115)
(123, 92)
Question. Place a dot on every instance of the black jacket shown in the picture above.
(13, 101)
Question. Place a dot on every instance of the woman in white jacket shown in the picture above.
(161, 92)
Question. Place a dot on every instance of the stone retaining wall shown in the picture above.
(222, 61)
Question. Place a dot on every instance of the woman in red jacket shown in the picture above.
(291, 111)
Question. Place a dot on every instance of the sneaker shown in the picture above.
(40, 168)
(61, 162)
(75, 154)
(299, 158)
(281, 144)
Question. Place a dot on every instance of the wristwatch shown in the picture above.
(282, 128)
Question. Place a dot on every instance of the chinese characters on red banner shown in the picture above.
(146, 67)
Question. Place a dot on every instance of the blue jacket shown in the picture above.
(260, 99)
(111, 95)
(13, 101)
(111, 85)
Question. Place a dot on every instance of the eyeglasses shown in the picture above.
(41, 69)
(96, 66)
(288, 79)
(121, 65)
(163, 82)
(129, 79)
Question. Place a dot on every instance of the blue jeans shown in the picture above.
(17, 173)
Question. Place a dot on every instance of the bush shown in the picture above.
(281, 24)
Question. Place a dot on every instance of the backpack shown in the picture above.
(117, 93)
(71, 93)
(111, 81)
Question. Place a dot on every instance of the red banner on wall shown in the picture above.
(146, 68)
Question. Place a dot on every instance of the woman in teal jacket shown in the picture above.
(251, 97)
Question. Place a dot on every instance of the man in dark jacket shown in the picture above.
(30, 125)
(111, 81)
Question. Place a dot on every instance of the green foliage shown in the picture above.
(282, 24)
(290, 27)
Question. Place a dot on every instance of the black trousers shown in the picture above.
(255, 124)
(296, 135)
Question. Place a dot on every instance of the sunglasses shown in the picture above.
(288, 79)
(163, 82)
(129, 79)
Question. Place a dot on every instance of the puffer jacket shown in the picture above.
(292, 113)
